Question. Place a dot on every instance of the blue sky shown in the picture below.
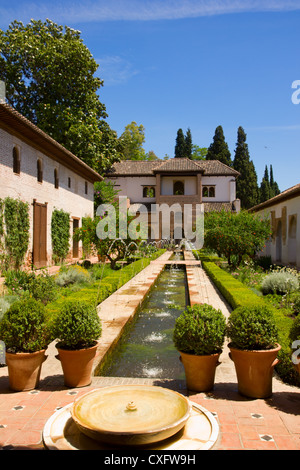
(170, 64)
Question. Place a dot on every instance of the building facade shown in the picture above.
(177, 181)
(284, 213)
(36, 169)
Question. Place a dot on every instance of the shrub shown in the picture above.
(18, 281)
(77, 325)
(252, 328)
(296, 305)
(24, 327)
(43, 288)
(294, 334)
(200, 330)
(279, 283)
(71, 275)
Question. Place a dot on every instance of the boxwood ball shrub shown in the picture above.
(200, 330)
(24, 327)
(77, 325)
(252, 328)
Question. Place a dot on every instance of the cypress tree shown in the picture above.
(265, 189)
(180, 147)
(218, 149)
(274, 189)
(246, 184)
(188, 144)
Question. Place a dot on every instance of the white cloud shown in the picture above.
(138, 10)
(115, 70)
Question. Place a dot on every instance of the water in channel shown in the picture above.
(147, 349)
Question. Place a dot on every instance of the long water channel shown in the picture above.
(146, 349)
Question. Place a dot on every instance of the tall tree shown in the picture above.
(218, 149)
(246, 184)
(273, 184)
(132, 141)
(50, 79)
(188, 144)
(265, 188)
(180, 144)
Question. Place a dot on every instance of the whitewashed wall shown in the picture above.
(26, 187)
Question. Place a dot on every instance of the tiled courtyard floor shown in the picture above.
(244, 424)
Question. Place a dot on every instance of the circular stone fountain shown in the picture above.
(131, 415)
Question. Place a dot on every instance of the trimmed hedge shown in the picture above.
(98, 291)
(239, 295)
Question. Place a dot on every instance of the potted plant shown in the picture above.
(26, 334)
(253, 348)
(77, 327)
(295, 338)
(199, 335)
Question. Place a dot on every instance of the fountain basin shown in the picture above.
(130, 414)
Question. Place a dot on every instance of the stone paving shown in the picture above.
(245, 424)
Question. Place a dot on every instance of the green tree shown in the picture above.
(265, 188)
(218, 149)
(236, 236)
(188, 144)
(274, 188)
(50, 79)
(246, 184)
(198, 153)
(180, 144)
(132, 141)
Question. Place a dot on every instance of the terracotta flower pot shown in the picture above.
(24, 369)
(254, 370)
(77, 365)
(199, 371)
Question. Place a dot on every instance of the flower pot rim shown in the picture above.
(25, 352)
(200, 355)
(58, 346)
(276, 348)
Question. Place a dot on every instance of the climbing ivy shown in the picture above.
(14, 232)
(60, 234)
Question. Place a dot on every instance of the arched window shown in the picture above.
(211, 192)
(145, 191)
(16, 161)
(151, 192)
(205, 191)
(56, 180)
(178, 188)
(85, 187)
(39, 171)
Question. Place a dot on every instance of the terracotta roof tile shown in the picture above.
(135, 168)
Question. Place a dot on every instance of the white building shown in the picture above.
(284, 213)
(176, 181)
(38, 170)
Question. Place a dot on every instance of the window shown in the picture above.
(69, 182)
(16, 161)
(178, 188)
(56, 180)
(148, 191)
(211, 191)
(39, 171)
(208, 191)
(86, 187)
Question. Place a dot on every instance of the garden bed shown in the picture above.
(238, 294)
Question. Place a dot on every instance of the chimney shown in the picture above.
(2, 91)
